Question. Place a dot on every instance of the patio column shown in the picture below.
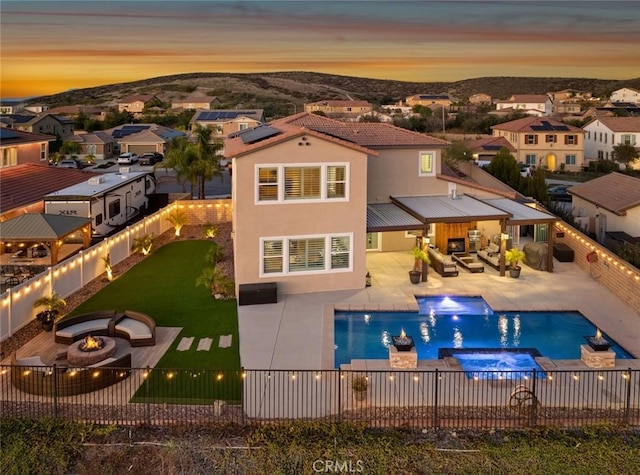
(503, 246)
(551, 234)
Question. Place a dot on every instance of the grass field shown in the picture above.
(163, 286)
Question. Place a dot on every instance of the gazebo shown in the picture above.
(42, 239)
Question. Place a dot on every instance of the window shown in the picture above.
(427, 163)
(530, 159)
(114, 208)
(318, 182)
(98, 219)
(301, 183)
(9, 157)
(243, 126)
(267, 184)
(600, 155)
(551, 138)
(43, 151)
(571, 139)
(605, 138)
(306, 254)
(530, 139)
(628, 139)
(570, 159)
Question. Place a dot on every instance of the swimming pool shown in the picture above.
(367, 335)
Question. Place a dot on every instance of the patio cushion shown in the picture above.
(134, 328)
(84, 327)
(30, 361)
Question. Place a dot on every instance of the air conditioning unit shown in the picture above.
(96, 180)
(124, 170)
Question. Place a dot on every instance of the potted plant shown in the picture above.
(513, 257)
(420, 255)
(360, 384)
(53, 304)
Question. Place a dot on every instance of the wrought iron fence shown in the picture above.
(399, 398)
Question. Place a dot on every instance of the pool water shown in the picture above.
(499, 365)
(556, 335)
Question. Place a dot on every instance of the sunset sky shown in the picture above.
(49, 47)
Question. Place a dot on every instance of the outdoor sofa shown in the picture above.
(442, 266)
(136, 327)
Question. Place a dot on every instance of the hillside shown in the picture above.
(259, 89)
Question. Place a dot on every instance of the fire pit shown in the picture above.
(90, 350)
(403, 342)
(598, 342)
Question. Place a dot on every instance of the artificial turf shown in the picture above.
(163, 286)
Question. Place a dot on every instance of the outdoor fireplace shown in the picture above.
(455, 245)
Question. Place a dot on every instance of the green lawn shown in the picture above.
(163, 286)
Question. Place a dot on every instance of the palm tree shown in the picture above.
(107, 266)
(215, 281)
(178, 219)
(53, 304)
(143, 244)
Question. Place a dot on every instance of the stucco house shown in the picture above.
(480, 98)
(135, 103)
(99, 144)
(429, 100)
(340, 108)
(227, 121)
(532, 104)
(608, 204)
(544, 142)
(18, 147)
(485, 148)
(313, 195)
(626, 94)
(142, 138)
(603, 133)
(45, 123)
(196, 102)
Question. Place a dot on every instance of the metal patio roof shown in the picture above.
(389, 217)
(446, 209)
(520, 214)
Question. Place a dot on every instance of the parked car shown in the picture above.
(69, 164)
(150, 158)
(559, 193)
(128, 158)
(526, 170)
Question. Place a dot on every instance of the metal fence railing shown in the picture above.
(400, 398)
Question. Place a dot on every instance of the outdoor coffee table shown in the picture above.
(468, 262)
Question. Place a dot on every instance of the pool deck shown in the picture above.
(297, 332)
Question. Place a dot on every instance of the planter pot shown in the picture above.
(514, 272)
(414, 276)
(359, 395)
(47, 326)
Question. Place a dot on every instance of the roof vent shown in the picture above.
(96, 180)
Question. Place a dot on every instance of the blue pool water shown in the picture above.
(461, 323)
(499, 365)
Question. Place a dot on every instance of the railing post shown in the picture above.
(436, 423)
(243, 395)
(534, 403)
(147, 389)
(54, 390)
(339, 395)
(627, 410)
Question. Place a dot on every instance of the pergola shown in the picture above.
(417, 212)
(49, 229)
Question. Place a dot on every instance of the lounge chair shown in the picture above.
(468, 262)
(491, 255)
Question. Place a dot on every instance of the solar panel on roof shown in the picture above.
(257, 134)
(561, 127)
(492, 147)
(7, 134)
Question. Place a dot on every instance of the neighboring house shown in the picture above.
(195, 102)
(533, 104)
(45, 123)
(136, 103)
(18, 148)
(603, 133)
(24, 186)
(484, 149)
(567, 108)
(610, 203)
(479, 98)
(544, 142)
(101, 145)
(563, 95)
(36, 108)
(10, 107)
(74, 111)
(340, 109)
(142, 138)
(379, 116)
(227, 121)
(429, 100)
(312, 195)
(626, 94)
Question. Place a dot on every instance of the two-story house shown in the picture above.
(626, 94)
(227, 121)
(544, 142)
(196, 102)
(532, 104)
(18, 147)
(336, 109)
(136, 103)
(41, 124)
(479, 98)
(312, 196)
(429, 100)
(603, 133)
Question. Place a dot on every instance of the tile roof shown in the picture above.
(41, 226)
(528, 124)
(135, 98)
(98, 137)
(621, 124)
(615, 192)
(26, 184)
(366, 134)
(340, 103)
(17, 137)
(489, 144)
(526, 98)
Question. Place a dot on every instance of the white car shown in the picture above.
(128, 158)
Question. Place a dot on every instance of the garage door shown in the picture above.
(140, 149)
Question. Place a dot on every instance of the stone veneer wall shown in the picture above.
(615, 274)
